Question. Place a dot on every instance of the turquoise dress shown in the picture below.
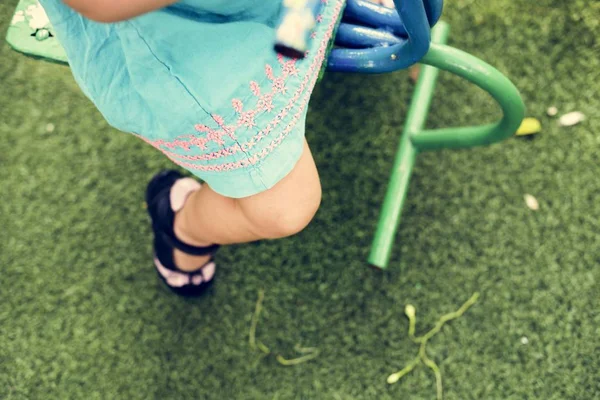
(200, 81)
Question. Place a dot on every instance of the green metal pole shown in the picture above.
(405, 159)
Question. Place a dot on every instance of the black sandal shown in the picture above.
(166, 194)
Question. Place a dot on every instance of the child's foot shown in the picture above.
(166, 194)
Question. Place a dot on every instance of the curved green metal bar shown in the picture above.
(414, 139)
(489, 79)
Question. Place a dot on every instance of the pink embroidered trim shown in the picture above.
(246, 118)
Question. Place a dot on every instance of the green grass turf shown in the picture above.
(83, 316)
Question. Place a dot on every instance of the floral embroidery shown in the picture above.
(237, 105)
(266, 102)
(255, 88)
(289, 68)
(246, 119)
(269, 71)
(279, 85)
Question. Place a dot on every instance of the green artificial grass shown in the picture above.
(83, 316)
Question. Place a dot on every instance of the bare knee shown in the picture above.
(289, 206)
(285, 218)
(288, 220)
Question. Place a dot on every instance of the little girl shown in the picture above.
(200, 81)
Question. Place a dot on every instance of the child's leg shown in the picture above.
(281, 211)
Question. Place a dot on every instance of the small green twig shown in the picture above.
(410, 312)
(436, 370)
(448, 317)
(252, 334)
(305, 350)
(393, 378)
(310, 352)
(299, 360)
(263, 348)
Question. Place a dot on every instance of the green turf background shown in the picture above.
(82, 315)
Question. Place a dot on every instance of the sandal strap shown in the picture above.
(173, 241)
(163, 227)
(163, 218)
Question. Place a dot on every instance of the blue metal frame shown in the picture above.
(386, 39)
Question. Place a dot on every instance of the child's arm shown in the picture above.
(115, 10)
